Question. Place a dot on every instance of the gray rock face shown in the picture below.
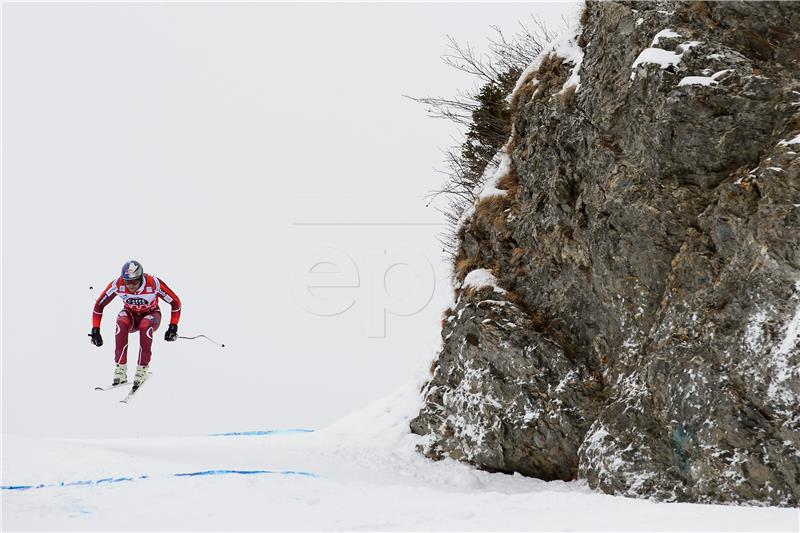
(649, 244)
(506, 397)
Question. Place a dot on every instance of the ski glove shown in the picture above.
(97, 339)
(172, 333)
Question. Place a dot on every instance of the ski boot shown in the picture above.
(120, 375)
(141, 375)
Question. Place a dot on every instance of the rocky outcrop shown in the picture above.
(644, 331)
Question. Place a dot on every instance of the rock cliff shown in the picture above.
(628, 282)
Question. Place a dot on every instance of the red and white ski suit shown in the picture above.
(140, 312)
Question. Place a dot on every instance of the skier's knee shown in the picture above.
(149, 322)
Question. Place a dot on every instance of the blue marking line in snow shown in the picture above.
(106, 480)
(109, 480)
(246, 472)
(261, 432)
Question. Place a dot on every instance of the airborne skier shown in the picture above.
(140, 293)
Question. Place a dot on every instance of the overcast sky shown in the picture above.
(262, 160)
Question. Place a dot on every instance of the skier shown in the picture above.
(140, 293)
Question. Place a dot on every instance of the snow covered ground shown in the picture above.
(360, 473)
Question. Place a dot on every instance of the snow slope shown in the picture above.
(360, 473)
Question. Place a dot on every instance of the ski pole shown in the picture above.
(206, 338)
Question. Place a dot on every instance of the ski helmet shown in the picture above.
(132, 270)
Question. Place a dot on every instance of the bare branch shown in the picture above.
(464, 58)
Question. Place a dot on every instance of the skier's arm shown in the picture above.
(167, 294)
(102, 301)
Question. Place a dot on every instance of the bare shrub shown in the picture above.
(484, 112)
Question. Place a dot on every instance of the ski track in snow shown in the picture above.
(360, 473)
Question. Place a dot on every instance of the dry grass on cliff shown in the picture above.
(542, 82)
(517, 261)
(550, 76)
(566, 96)
(492, 213)
(509, 183)
(701, 8)
(490, 216)
(517, 254)
(479, 294)
(462, 265)
(434, 365)
(524, 92)
(585, 15)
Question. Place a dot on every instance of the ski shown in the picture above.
(135, 389)
(110, 387)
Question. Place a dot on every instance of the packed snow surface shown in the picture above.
(360, 473)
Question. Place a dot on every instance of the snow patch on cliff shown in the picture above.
(659, 56)
(666, 33)
(783, 363)
(754, 332)
(498, 169)
(792, 329)
(656, 56)
(795, 140)
(481, 277)
(708, 81)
